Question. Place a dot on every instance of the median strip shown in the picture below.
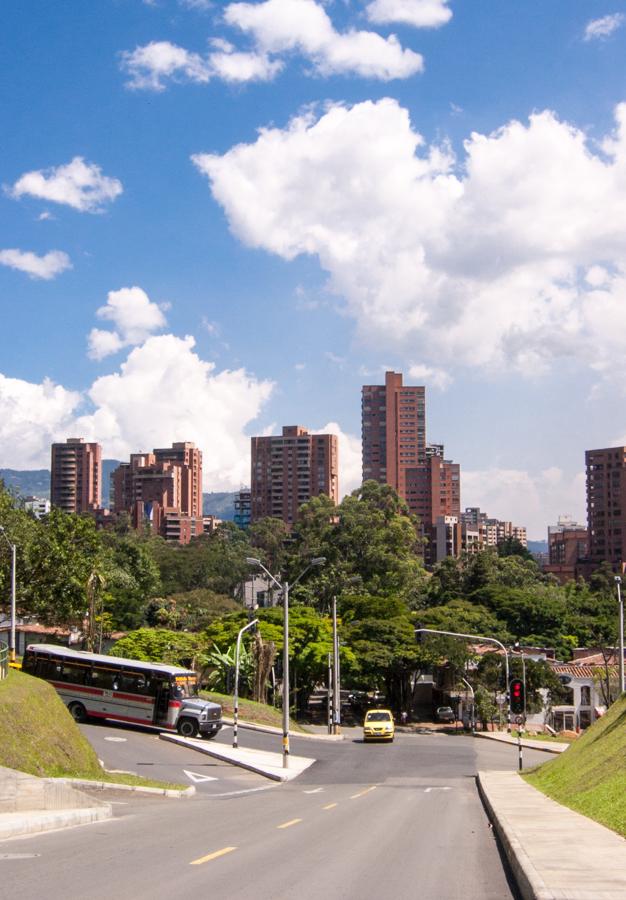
(214, 855)
(363, 793)
(289, 823)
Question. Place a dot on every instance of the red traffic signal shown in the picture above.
(516, 694)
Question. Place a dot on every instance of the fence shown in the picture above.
(4, 659)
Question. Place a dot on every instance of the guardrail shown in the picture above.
(4, 659)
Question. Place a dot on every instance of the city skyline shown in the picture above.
(218, 220)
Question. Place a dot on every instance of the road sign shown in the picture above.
(519, 720)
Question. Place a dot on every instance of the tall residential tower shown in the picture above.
(289, 469)
(76, 476)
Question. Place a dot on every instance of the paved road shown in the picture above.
(400, 821)
(141, 752)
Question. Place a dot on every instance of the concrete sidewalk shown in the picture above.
(19, 824)
(545, 746)
(555, 853)
(260, 761)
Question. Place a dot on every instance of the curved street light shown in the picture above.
(284, 588)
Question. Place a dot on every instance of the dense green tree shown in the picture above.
(161, 645)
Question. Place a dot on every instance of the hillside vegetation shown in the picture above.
(38, 734)
(590, 777)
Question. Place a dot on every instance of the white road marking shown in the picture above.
(316, 791)
(117, 740)
(428, 790)
(268, 787)
(196, 776)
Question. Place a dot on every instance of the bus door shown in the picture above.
(162, 701)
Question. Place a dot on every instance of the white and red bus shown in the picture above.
(108, 687)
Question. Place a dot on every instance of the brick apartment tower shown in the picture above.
(393, 418)
(289, 469)
(606, 506)
(164, 488)
(76, 476)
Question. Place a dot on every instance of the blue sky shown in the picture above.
(220, 218)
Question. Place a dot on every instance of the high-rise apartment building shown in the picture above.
(289, 469)
(606, 506)
(76, 476)
(567, 545)
(162, 489)
(393, 418)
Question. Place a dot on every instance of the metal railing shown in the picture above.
(4, 659)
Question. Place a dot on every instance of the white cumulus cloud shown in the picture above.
(533, 499)
(276, 28)
(150, 66)
(304, 26)
(597, 29)
(419, 13)
(163, 392)
(32, 416)
(479, 261)
(134, 316)
(438, 378)
(78, 184)
(43, 267)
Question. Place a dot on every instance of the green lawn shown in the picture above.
(251, 711)
(39, 736)
(590, 776)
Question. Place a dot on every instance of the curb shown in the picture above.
(243, 764)
(531, 885)
(20, 824)
(270, 729)
(137, 788)
(525, 743)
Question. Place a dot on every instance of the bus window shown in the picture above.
(104, 679)
(133, 683)
(72, 673)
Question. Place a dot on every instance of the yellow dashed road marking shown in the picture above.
(330, 806)
(210, 856)
(362, 793)
(289, 823)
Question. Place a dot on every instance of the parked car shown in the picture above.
(445, 714)
(378, 725)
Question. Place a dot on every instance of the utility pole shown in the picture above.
(329, 701)
(620, 600)
(336, 675)
(236, 697)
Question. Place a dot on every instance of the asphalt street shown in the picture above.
(402, 820)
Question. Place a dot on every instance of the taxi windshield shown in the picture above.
(378, 717)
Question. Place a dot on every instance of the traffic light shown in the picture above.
(516, 693)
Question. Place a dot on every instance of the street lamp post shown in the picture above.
(13, 567)
(479, 637)
(236, 697)
(620, 600)
(284, 588)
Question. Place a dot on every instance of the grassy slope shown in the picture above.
(39, 736)
(590, 777)
(250, 711)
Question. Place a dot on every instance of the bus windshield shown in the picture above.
(185, 686)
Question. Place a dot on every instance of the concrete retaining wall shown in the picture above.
(20, 792)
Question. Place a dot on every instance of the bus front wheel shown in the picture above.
(78, 712)
(187, 728)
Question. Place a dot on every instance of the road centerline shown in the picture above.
(289, 823)
(330, 806)
(363, 793)
(215, 855)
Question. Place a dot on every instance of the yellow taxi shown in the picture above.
(378, 725)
